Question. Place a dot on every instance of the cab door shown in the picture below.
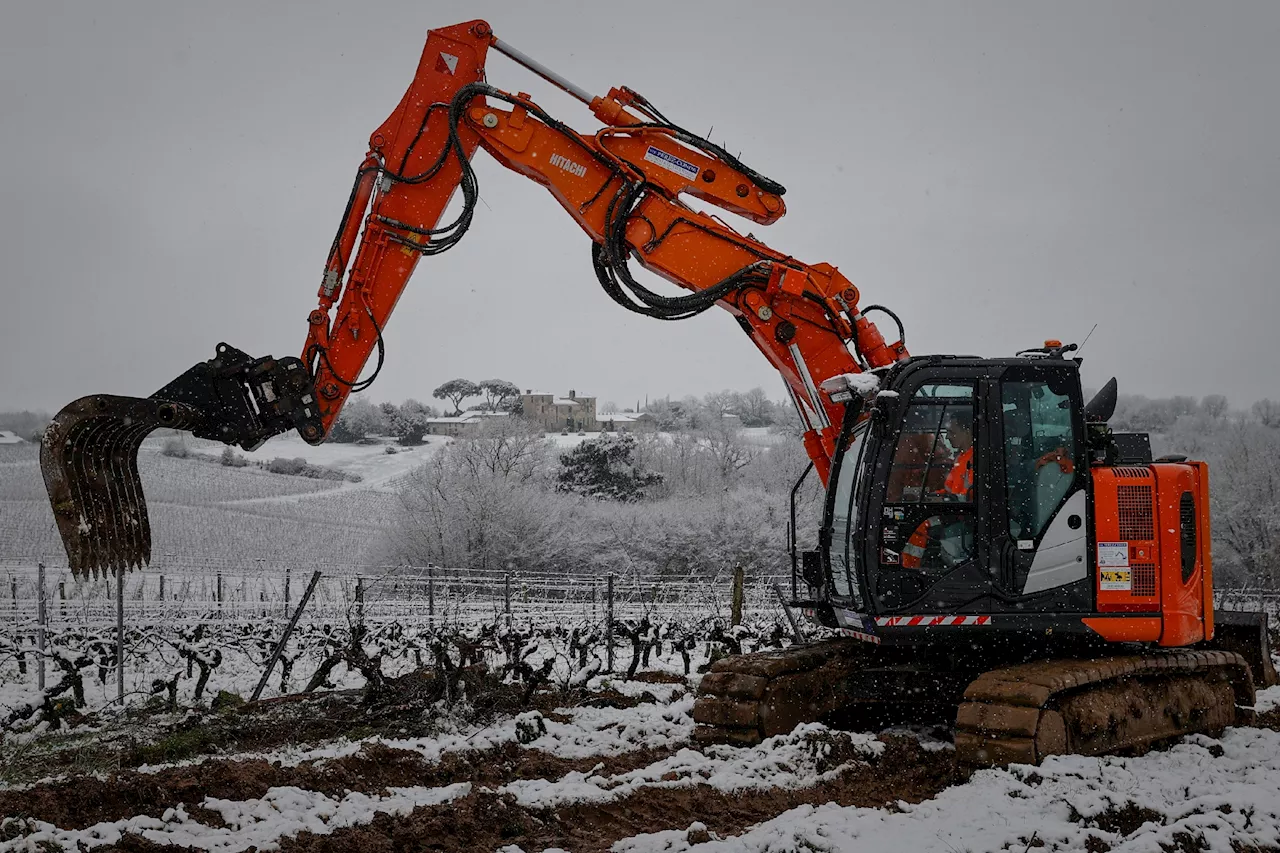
(1039, 500)
(924, 545)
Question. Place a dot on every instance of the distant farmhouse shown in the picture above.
(629, 422)
(573, 413)
(466, 424)
(553, 414)
(7, 437)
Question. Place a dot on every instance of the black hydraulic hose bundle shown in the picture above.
(608, 259)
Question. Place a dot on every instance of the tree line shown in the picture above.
(685, 505)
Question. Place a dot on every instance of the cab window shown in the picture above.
(1039, 441)
(928, 523)
(933, 460)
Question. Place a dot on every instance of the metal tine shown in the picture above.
(113, 535)
(86, 480)
(117, 538)
(90, 460)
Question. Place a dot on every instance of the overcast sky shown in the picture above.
(173, 174)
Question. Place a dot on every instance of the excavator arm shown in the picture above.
(624, 185)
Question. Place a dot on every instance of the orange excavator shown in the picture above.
(990, 550)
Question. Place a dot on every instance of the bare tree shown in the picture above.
(1267, 412)
(1245, 498)
(719, 403)
(1214, 405)
(754, 407)
(729, 452)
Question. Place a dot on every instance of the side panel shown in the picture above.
(1178, 509)
(1127, 547)
(1206, 556)
(1062, 557)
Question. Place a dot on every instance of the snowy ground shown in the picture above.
(627, 779)
(370, 462)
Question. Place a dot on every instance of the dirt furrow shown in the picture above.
(82, 802)
(486, 820)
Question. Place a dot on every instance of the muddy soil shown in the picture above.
(485, 820)
(80, 803)
(140, 738)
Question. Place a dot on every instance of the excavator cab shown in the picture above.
(984, 496)
(965, 491)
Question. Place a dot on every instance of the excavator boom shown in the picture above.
(624, 185)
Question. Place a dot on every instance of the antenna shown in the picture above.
(1086, 340)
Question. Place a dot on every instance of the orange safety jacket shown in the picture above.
(960, 480)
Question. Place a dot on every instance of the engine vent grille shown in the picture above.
(1136, 521)
(1187, 518)
(1144, 579)
(1132, 471)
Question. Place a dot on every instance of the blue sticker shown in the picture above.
(671, 163)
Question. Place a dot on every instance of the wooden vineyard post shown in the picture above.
(359, 600)
(735, 617)
(431, 598)
(161, 599)
(287, 579)
(284, 638)
(62, 598)
(608, 630)
(219, 593)
(120, 634)
(41, 621)
(506, 597)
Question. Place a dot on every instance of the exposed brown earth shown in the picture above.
(81, 802)
(487, 820)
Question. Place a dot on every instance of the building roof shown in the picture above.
(626, 417)
(467, 417)
(566, 401)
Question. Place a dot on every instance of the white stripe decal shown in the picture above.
(929, 621)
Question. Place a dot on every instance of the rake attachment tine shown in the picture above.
(89, 453)
(89, 456)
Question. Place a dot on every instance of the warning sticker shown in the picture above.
(1115, 580)
(1113, 555)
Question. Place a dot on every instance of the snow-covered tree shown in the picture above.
(455, 391)
(358, 419)
(605, 468)
(499, 394)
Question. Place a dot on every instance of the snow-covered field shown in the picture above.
(627, 779)
(598, 763)
(202, 511)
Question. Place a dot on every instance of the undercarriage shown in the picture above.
(1008, 701)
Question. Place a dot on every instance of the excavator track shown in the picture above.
(746, 698)
(1020, 713)
(1026, 712)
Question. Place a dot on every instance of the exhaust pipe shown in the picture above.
(89, 453)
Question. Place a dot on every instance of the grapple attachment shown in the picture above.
(89, 453)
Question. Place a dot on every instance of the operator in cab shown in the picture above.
(959, 482)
